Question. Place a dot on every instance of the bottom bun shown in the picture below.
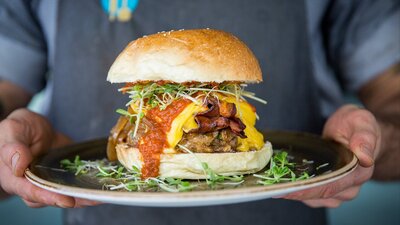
(188, 166)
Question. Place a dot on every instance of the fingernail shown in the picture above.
(14, 161)
(368, 154)
(366, 150)
(62, 205)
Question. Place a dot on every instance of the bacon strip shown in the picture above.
(208, 124)
(227, 110)
(237, 127)
(220, 115)
(213, 108)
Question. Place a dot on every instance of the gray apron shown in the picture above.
(83, 104)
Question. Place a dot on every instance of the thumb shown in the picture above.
(17, 157)
(363, 143)
(358, 130)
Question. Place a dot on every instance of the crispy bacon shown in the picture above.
(213, 108)
(227, 110)
(237, 127)
(220, 115)
(208, 124)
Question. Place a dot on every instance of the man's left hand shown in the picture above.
(358, 130)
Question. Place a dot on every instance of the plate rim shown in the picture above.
(196, 197)
(256, 189)
(179, 201)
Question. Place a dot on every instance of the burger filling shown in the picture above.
(207, 119)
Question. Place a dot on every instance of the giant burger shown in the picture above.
(187, 107)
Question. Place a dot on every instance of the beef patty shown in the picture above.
(217, 141)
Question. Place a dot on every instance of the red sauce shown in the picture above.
(152, 143)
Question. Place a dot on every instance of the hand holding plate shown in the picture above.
(24, 135)
(358, 130)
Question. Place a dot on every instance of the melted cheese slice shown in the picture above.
(245, 112)
(183, 122)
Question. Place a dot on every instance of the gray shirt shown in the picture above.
(309, 51)
(350, 42)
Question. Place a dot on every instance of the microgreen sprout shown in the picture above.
(280, 170)
(213, 179)
(116, 177)
(322, 166)
(78, 166)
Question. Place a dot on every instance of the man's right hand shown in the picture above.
(24, 135)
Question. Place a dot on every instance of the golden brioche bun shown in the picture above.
(202, 55)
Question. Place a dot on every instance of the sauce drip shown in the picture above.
(152, 143)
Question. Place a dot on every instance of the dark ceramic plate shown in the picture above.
(331, 161)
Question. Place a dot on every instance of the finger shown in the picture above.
(323, 192)
(25, 127)
(348, 194)
(33, 204)
(356, 178)
(22, 187)
(35, 194)
(60, 140)
(356, 128)
(329, 203)
(338, 127)
(363, 144)
(16, 157)
(364, 138)
(80, 202)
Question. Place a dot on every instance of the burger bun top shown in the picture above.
(202, 55)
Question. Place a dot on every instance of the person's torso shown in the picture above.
(83, 104)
